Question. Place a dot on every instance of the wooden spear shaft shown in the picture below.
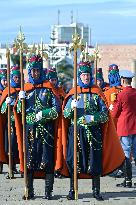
(9, 115)
(23, 124)
(96, 69)
(41, 48)
(75, 126)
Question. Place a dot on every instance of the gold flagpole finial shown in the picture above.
(97, 53)
(20, 37)
(77, 42)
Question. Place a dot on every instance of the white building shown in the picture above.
(3, 59)
(63, 33)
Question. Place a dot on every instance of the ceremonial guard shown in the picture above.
(53, 79)
(5, 100)
(110, 93)
(100, 80)
(42, 108)
(3, 84)
(125, 110)
(114, 83)
(95, 134)
(3, 80)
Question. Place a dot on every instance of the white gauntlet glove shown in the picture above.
(21, 94)
(38, 116)
(74, 103)
(111, 107)
(89, 118)
(8, 100)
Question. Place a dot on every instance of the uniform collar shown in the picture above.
(127, 87)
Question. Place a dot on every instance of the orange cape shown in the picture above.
(3, 157)
(0, 93)
(61, 91)
(112, 155)
(58, 139)
(58, 133)
(108, 93)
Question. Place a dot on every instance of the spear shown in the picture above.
(96, 57)
(41, 48)
(44, 55)
(86, 52)
(9, 114)
(20, 38)
(76, 45)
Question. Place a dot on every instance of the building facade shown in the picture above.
(63, 33)
(122, 55)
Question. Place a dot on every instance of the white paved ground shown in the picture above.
(11, 191)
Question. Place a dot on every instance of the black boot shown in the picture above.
(135, 161)
(120, 172)
(10, 177)
(14, 169)
(127, 173)
(22, 174)
(71, 195)
(1, 167)
(96, 188)
(57, 174)
(30, 186)
(49, 181)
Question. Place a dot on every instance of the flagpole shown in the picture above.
(96, 61)
(9, 115)
(41, 48)
(20, 39)
(76, 44)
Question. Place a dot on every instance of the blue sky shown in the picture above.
(111, 21)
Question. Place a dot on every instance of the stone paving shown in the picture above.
(11, 191)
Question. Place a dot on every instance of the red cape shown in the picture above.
(3, 157)
(58, 133)
(113, 155)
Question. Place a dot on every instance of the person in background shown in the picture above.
(124, 108)
(3, 85)
(114, 89)
(51, 76)
(100, 80)
(53, 79)
(5, 100)
(3, 80)
(114, 83)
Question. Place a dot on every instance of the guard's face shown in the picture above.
(85, 78)
(53, 81)
(35, 72)
(16, 79)
(122, 81)
(99, 83)
(4, 83)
